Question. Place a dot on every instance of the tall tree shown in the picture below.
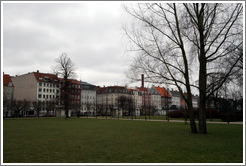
(66, 69)
(215, 31)
(162, 49)
(174, 39)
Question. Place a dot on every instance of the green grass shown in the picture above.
(56, 140)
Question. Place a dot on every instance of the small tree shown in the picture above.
(76, 106)
(20, 107)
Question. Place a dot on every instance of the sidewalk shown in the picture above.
(155, 120)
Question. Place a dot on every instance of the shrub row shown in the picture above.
(210, 113)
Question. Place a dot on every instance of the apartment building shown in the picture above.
(36, 86)
(155, 98)
(108, 98)
(88, 98)
(175, 101)
(166, 98)
(74, 89)
(136, 96)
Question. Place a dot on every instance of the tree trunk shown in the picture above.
(191, 114)
(202, 74)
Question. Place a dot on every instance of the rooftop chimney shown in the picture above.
(142, 80)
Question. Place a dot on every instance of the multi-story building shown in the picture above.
(88, 98)
(175, 98)
(136, 96)
(36, 86)
(155, 98)
(108, 99)
(74, 89)
(146, 100)
(166, 98)
(8, 90)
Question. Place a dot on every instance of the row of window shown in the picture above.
(90, 92)
(48, 84)
(88, 97)
(47, 96)
(48, 90)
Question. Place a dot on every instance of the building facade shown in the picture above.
(88, 98)
(36, 86)
(166, 98)
(155, 98)
(175, 101)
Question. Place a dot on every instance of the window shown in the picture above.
(47, 96)
(40, 89)
(50, 90)
(44, 96)
(39, 96)
(40, 84)
(44, 90)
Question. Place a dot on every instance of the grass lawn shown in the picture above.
(56, 140)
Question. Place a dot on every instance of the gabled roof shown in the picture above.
(6, 80)
(163, 92)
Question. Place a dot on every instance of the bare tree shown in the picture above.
(37, 107)
(76, 106)
(174, 39)
(215, 32)
(65, 68)
(162, 49)
(20, 107)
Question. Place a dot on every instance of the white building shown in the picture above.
(137, 98)
(88, 98)
(175, 98)
(155, 98)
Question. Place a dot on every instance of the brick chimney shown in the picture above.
(142, 75)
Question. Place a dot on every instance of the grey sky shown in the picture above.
(35, 34)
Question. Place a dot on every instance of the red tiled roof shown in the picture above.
(40, 77)
(6, 80)
(163, 91)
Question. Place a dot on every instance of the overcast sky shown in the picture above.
(35, 34)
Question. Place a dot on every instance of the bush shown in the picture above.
(176, 114)
(231, 116)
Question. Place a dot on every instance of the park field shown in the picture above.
(82, 140)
